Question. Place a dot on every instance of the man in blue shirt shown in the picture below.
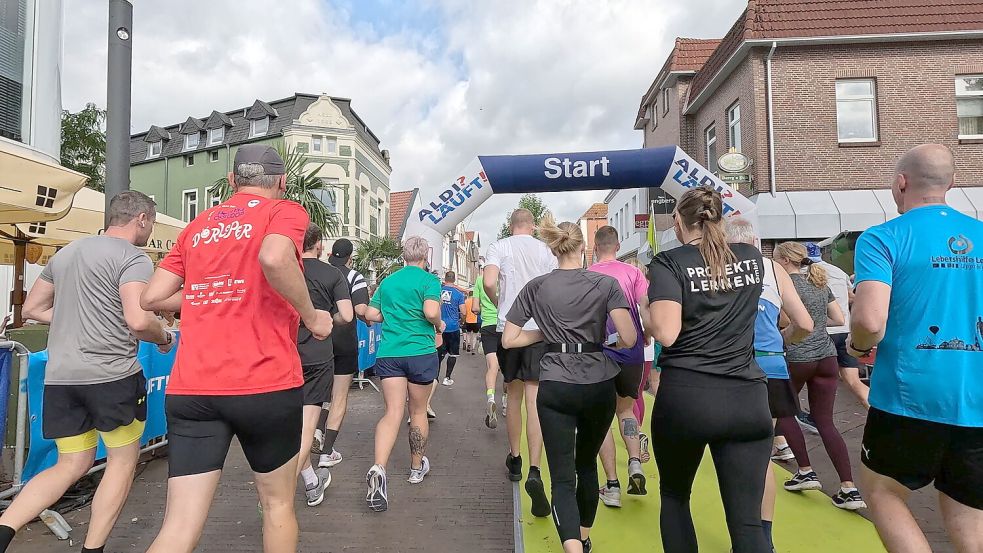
(920, 297)
(451, 311)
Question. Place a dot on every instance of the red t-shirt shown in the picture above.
(238, 335)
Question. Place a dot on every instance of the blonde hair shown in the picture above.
(796, 254)
(703, 208)
(415, 249)
(563, 238)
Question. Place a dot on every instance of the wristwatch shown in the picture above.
(170, 338)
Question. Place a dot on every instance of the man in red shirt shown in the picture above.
(235, 274)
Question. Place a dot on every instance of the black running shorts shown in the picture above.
(521, 363)
(917, 452)
(451, 344)
(782, 399)
(200, 430)
(345, 364)
(628, 380)
(318, 382)
(75, 409)
(491, 340)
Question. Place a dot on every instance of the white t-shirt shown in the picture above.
(839, 283)
(519, 259)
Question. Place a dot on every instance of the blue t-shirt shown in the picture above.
(929, 363)
(451, 300)
(767, 338)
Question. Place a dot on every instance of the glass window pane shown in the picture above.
(969, 107)
(969, 84)
(854, 88)
(855, 120)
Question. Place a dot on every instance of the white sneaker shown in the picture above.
(505, 404)
(448, 382)
(318, 443)
(329, 460)
(417, 475)
(377, 495)
(315, 492)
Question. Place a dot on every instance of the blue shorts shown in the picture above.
(418, 369)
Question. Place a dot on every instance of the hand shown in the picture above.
(166, 347)
(439, 340)
(443, 327)
(321, 326)
(648, 340)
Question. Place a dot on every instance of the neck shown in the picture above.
(924, 201)
(522, 232)
(271, 193)
(571, 261)
(419, 264)
(122, 233)
(602, 257)
(690, 235)
(310, 255)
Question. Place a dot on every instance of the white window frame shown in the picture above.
(734, 139)
(189, 160)
(971, 95)
(317, 144)
(159, 145)
(187, 141)
(216, 136)
(665, 101)
(189, 198)
(213, 156)
(654, 113)
(252, 127)
(213, 198)
(708, 142)
(331, 145)
(867, 98)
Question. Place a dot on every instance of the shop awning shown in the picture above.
(33, 186)
(820, 213)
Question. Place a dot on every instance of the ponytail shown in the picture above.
(561, 239)
(796, 254)
(703, 207)
(817, 275)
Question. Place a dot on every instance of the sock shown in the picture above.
(630, 459)
(614, 484)
(100, 549)
(310, 477)
(804, 472)
(329, 438)
(766, 526)
(451, 361)
(6, 536)
(848, 490)
(490, 393)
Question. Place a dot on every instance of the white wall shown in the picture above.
(623, 205)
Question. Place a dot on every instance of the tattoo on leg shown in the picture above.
(417, 442)
(630, 426)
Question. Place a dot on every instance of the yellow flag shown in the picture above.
(651, 234)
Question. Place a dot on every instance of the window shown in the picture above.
(654, 114)
(259, 127)
(711, 137)
(191, 141)
(316, 142)
(665, 101)
(213, 156)
(189, 160)
(331, 145)
(969, 105)
(189, 205)
(734, 127)
(216, 136)
(303, 147)
(153, 150)
(856, 110)
(214, 198)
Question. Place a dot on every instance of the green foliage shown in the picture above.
(83, 144)
(534, 204)
(381, 254)
(303, 187)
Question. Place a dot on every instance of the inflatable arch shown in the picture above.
(669, 168)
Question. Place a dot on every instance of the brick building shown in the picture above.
(594, 218)
(823, 97)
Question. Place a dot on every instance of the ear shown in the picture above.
(900, 182)
(283, 183)
(231, 178)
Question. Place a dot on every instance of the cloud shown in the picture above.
(460, 78)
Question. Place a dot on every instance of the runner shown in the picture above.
(579, 382)
(345, 343)
(451, 312)
(919, 284)
(237, 372)
(329, 292)
(631, 362)
(491, 341)
(778, 296)
(471, 324)
(704, 298)
(512, 263)
(407, 304)
(93, 384)
(812, 362)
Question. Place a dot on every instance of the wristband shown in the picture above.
(865, 352)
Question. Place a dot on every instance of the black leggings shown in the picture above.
(694, 410)
(574, 418)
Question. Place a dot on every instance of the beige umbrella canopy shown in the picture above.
(33, 187)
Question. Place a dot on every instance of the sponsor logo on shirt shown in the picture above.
(253, 203)
(225, 214)
(740, 274)
(960, 247)
(212, 235)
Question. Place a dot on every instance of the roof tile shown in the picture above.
(399, 206)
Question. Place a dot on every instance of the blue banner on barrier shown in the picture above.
(42, 453)
(6, 365)
(369, 337)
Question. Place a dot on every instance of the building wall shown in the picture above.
(667, 132)
(623, 205)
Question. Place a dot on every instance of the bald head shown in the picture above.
(521, 221)
(928, 166)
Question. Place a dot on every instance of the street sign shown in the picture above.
(641, 221)
(735, 178)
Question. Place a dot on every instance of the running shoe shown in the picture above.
(783, 453)
(849, 500)
(377, 496)
(514, 465)
(417, 475)
(636, 478)
(801, 482)
(315, 492)
(328, 461)
(807, 422)
(430, 414)
(610, 496)
(448, 382)
(491, 418)
(505, 403)
(588, 548)
(537, 492)
(318, 443)
(643, 448)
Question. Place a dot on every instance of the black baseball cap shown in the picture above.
(260, 154)
(342, 249)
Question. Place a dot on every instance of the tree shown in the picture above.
(381, 255)
(83, 144)
(533, 203)
(303, 187)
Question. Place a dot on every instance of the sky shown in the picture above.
(438, 81)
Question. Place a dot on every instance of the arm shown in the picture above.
(627, 335)
(361, 310)
(40, 302)
(646, 316)
(464, 312)
(431, 310)
(869, 316)
(143, 324)
(667, 321)
(514, 337)
(372, 315)
(800, 324)
(163, 292)
(278, 260)
(834, 315)
(851, 375)
(345, 312)
(489, 281)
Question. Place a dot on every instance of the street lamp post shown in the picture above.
(118, 88)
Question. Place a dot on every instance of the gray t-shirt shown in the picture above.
(571, 306)
(818, 344)
(89, 342)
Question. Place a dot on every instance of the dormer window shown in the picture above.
(154, 149)
(216, 136)
(259, 127)
(191, 141)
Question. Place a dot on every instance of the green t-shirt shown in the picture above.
(405, 331)
(489, 312)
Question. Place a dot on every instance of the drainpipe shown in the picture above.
(771, 121)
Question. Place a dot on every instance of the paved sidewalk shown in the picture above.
(465, 504)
